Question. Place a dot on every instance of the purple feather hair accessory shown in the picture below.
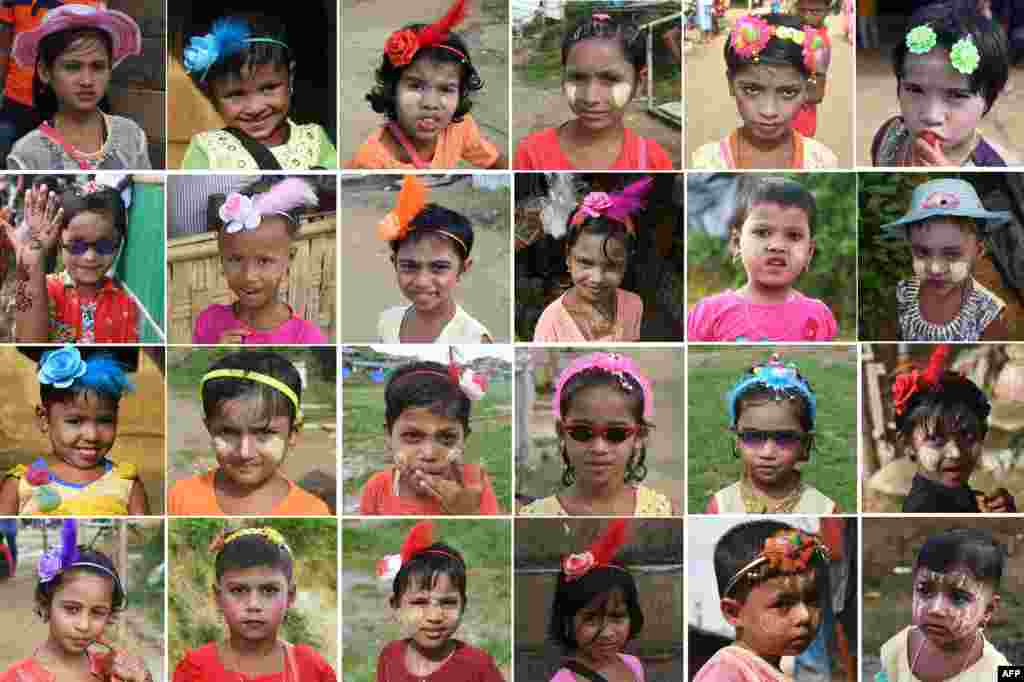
(630, 200)
(285, 196)
(57, 559)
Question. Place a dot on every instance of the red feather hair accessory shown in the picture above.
(402, 45)
(601, 552)
(910, 383)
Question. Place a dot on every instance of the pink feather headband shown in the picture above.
(612, 363)
(619, 206)
(240, 212)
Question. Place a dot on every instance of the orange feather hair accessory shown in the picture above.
(411, 200)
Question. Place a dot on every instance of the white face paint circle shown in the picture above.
(570, 93)
(621, 93)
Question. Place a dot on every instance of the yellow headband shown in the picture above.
(265, 379)
(272, 535)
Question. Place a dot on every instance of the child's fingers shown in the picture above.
(929, 155)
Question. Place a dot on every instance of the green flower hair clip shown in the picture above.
(921, 39)
(965, 56)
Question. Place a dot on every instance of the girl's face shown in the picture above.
(428, 270)
(597, 266)
(771, 441)
(255, 261)
(948, 459)
(79, 75)
(430, 613)
(81, 608)
(426, 98)
(934, 96)
(92, 231)
(256, 101)
(780, 615)
(949, 607)
(944, 254)
(599, 82)
(600, 433)
(768, 97)
(250, 446)
(775, 245)
(423, 441)
(602, 626)
(812, 12)
(83, 430)
(254, 601)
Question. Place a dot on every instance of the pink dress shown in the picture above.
(632, 662)
(542, 151)
(730, 317)
(736, 664)
(556, 324)
(218, 319)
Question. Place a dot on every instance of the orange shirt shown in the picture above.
(196, 497)
(377, 498)
(458, 142)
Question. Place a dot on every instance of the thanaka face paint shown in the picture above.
(254, 601)
(249, 446)
(955, 271)
(430, 616)
(949, 461)
(621, 93)
(780, 615)
(944, 252)
(949, 607)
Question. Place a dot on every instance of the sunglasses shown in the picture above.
(755, 438)
(102, 247)
(613, 433)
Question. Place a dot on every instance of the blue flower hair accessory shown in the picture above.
(781, 378)
(65, 368)
(60, 368)
(227, 36)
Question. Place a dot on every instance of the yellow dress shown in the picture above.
(106, 496)
(649, 502)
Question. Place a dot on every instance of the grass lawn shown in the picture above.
(832, 373)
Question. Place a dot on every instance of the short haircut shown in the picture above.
(424, 568)
(573, 595)
(252, 550)
(217, 391)
(739, 546)
(976, 549)
(425, 385)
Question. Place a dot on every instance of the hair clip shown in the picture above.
(921, 39)
(619, 206)
(601, 17)
(240, 212)
(600, 553)
(783, 378)
(751, 35)
(55, 561)
(60, 368)
(402, 45)
(227, 36)
(417, 541)
(964, 55)
(472, 384)
(786, 552)
(617, 365)
(915, 381)
(412, 198)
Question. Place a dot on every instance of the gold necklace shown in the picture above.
(755, 502)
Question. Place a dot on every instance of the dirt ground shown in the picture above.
(368, 280)
(367, 25)
(711, 113)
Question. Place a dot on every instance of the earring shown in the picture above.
(569, 471)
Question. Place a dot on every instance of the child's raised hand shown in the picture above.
(44, 219)
(999, 502)
(456, 496)
(234, 336)
(128, 668)
(927, 150)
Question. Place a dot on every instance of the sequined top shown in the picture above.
(979, 310)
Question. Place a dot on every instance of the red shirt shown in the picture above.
(377, 498)
(541, 151)
(204, 665)
(466, 664)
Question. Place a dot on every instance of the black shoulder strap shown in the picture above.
(584, 671)
(259, 152)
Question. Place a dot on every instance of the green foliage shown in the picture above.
(833, 268)
(149, 596)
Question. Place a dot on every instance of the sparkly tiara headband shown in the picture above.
(598, 555)
(417, 542)
(782, 379)
(402, 45)
(618, 206)
(271, 535)
(249, 375)
(57, 560)
(411, 200)
(617, 365)
(239, 212)
(751, 35)
(227, 36)
(786, 552)
(472, 384)
(964, 55)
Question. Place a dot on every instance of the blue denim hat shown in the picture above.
(948, 196)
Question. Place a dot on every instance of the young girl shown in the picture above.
(772, 409)
(812, 13)
(246, 69)
(596, 611)
(770, 583)
(73, 53)
(950, 68)
(429, 582)
(82, 303)
(257, 226)
(79, 398)
(603, 408)
(78, 595)
(427, 408)
(253, 411)
(771, 64)
(942, 420)
(425, 83)
(956, 593)
(255, 588)
(430, 247)
(946, 226)
(773, 234)
(598, 247)
(603, 68)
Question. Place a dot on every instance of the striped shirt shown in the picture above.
(978, 311)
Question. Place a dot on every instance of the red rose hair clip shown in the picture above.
(910, 383)
(419, 539)
(402, 45)
(600, 553)
(786, 552)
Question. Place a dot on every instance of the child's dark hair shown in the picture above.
(440, 221)
(383, 96)
(573, 595)
(955, 407)
(76, 199)
(973, 548)
(250, 551)
(950, 24)
(739, 546)
(87, 555)
(771, 190)
(628, 36)
(424, 568)
(216, 391)
(601, 226)
(636, 469)
(272, 52)
(44, 99)
(425, 384)
(258, 186)
(778, 51)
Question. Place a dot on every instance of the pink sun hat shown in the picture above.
(126, 38)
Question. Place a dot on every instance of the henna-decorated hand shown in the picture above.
(43, 219)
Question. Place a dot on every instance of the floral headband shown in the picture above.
(411, 200)
(783, 379)
(786, 552)
(751, 35)
(55, 561)
(964, 55)
(600, 553)
(227, 36)
(618, 365)
(239, 212)
(934, 377)
(271, 535)
(618, 206)
(402, 45)
(417, 542)
(265, 379)
(473, 384)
